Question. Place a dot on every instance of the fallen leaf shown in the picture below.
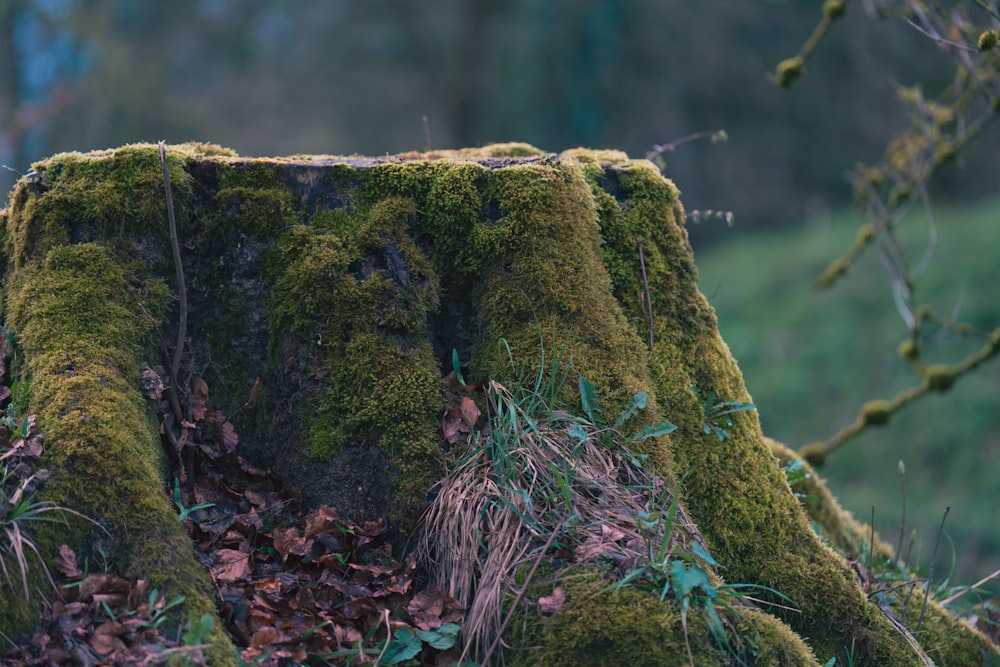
(264, 637)
(199, 398)
(469, 410)
(432, 607)
(551, 604)
(228, 437)
(287, 542)
(231, 565)
(151, 383)
(324, 518)
(65, 562)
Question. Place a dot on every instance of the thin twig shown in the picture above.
(871, 551)
(175, 366)
(902, 521)
(388, 638)
(660, 149)
(986, 579)
(517, 600)
(645, 286)
(930, 570)
(427, 133)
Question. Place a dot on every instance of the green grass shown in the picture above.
(811, 358)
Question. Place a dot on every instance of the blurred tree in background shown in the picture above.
(268, 77)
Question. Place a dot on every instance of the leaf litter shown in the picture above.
(292, 584)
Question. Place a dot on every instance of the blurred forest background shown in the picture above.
(270, 77)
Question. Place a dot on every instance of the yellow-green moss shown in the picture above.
(543, 278)
(876, 412)
(940, 377)
(115, 192)
(733, 489)
(353, 285)
(627, 626)
(597, 157)
(509, 149)
(836, 524)
(604, 628)
(359, 290)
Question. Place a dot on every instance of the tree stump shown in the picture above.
(326, 299)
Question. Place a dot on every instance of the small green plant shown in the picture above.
(717, 413)
(795, 472)
(159, 607)
(183, 511)
(193, 640)
(595, 418)
(684, 576)
(407, 643)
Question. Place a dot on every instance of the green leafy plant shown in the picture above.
(406, 644)
(595, 417)
(683, 575)
(795, 472)
(159, 607)
(717, 413)
(183, 511)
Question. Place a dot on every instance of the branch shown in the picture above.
(175, 366)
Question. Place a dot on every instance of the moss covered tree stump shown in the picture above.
(325, 297)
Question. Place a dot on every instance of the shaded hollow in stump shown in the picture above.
(327, 297)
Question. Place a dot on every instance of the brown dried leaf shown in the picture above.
(323, 519)
(228, 437)
(250, 520)
(199, 398)
(264, 637)
(65, 562)
(432, 607)
(453, 428)
(95, 584)
(611, 532)
(32, 448)
(551, 604)
(288, 542)
(469, 410)
(231, 565)
(151, 383)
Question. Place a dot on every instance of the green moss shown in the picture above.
(836, 524)
(253, 199)
(596, 157)
(876, 413)
(939, 377)
(360, 291)
(598, 626)
(357, 281)
(949, 640)
(510, 149)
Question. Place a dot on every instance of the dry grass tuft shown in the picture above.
(528, 476)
